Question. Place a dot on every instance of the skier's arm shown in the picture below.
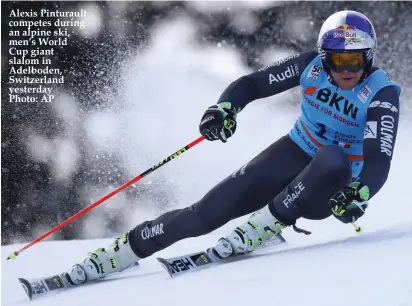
(219, 121)
(268, 81)
(380, 137)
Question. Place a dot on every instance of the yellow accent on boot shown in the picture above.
(123, 238)
(242, 229)
(115, 244)
(113, 261)
(100, 250)
(253, 225)
(102, 268)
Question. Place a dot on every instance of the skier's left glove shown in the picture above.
(349, 203)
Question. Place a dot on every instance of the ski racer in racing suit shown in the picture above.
(335, 158)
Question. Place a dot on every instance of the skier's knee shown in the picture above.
(334, 161)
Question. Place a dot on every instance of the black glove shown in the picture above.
(218, 122)
(349, 203)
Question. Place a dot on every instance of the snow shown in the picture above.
(371, 268)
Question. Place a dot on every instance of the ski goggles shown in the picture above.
(352, 61)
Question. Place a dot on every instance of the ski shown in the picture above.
(40, 286)
(175, 266)
(195, 261)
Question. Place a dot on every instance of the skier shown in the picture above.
(335, 158)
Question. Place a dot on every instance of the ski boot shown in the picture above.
(115, 258)
(261, 226)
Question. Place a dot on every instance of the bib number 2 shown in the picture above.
(322, 131)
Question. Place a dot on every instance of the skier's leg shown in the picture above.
(244, 191)
(306, 196)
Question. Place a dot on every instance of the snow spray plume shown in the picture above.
(87, 209)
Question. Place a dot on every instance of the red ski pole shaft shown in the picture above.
(108, 196)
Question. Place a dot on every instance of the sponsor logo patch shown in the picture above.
(181, 265)
(291, 197)
(310, 90)
(364, 93)
(346, 27)
(386, 134)
(288, 73)
(314, 72)
(384, 105)
(278, 63)
(153, 231)
(337, 102)
(241, 171)
(371, 129)
(341, 34)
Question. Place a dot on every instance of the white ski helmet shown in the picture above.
(347, 41)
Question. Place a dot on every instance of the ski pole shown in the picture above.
(358, 229)
(108, 196)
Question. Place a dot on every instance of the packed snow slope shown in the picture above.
(372, 268)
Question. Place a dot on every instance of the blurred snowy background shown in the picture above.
(138, 79)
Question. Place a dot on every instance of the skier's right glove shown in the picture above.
(218, 122)
(350, 203)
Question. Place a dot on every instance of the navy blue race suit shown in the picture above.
(298, 173)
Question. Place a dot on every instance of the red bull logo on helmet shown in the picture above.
(345, 31)
(344, 35)
(346, 27)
